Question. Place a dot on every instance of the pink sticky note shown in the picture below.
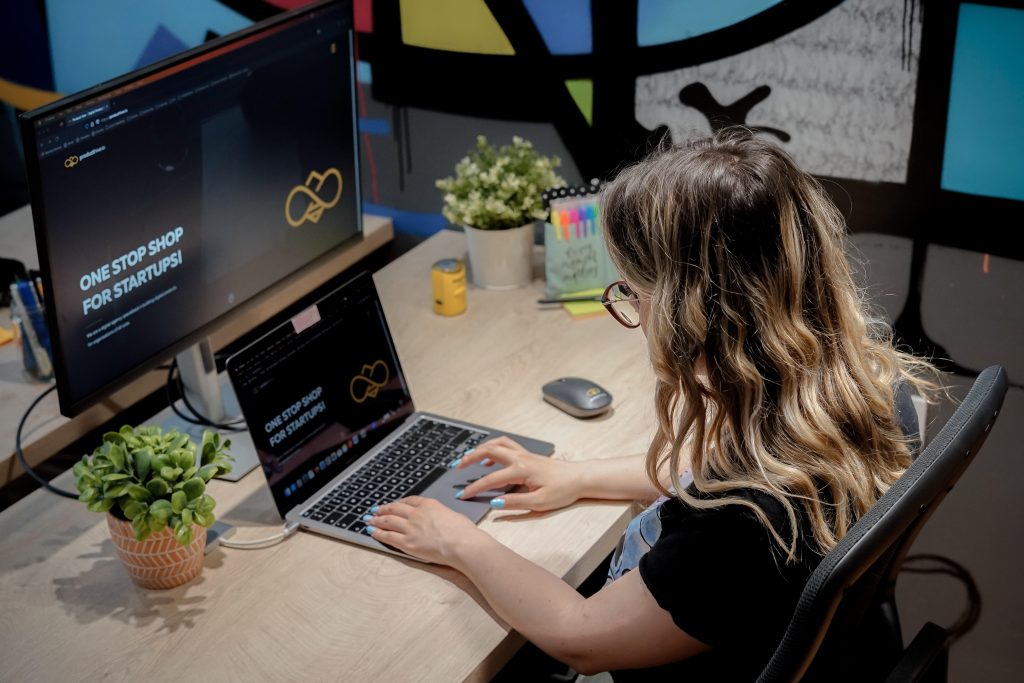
(306, 319)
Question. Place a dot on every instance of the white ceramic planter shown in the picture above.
(501, 259)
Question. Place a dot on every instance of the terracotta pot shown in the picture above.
(159, 561)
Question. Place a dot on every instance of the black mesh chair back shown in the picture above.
(845, 625)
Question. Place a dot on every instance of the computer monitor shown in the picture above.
(167, 198)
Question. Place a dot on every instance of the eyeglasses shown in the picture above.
(622, 303)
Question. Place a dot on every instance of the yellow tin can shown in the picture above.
(448, 277)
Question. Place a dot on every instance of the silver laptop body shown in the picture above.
(334, 423)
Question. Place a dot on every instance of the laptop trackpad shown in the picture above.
(451, 482)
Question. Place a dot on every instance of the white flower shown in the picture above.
(499, 188)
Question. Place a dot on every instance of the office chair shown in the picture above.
(845, 626)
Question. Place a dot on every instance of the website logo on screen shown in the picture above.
(369, 382)
(309, 201)
(76, 159)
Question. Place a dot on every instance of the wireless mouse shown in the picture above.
(577, 396)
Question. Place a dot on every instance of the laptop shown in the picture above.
(334, 424)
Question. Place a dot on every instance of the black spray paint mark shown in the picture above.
(722, 116)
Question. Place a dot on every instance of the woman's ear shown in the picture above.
(644, 310)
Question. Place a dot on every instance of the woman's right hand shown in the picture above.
(550, 484)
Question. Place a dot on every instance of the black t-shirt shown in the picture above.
(725, 581)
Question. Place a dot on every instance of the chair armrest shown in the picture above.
(926, 659)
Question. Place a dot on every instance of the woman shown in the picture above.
(778, 425)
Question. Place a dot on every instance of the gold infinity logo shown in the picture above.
(71, 161)
(315, 204)
(370, 379)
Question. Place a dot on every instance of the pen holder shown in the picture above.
(35, 366)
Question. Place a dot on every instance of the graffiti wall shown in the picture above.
(909, 109)
(851, 116)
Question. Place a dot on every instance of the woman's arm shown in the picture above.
(552, 483)
(622, 626)
(622, 478)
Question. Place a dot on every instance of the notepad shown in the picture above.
(581, 310)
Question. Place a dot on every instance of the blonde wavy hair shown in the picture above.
(771, 375)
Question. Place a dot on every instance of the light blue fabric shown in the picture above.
(641, 534)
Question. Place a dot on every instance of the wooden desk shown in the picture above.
(312, 608)
(46, 431)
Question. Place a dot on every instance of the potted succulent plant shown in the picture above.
(152, 486)
(496, 196)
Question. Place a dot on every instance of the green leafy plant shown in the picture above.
(495, 189)
(153, 479)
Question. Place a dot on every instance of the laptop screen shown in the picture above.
(321, 390)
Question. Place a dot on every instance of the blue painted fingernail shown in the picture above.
(468, 451)
(374, 509)
(454, 463)
(370, 529)
(486, 462)
(458, 494)
(497, 503)
(367, 518)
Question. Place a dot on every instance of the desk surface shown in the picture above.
(317, 609)
(46, 431)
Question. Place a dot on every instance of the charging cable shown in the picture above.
(289, 529)
(21, 454)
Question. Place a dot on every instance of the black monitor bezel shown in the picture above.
(28, 120)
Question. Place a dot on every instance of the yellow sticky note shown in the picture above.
(584, 309)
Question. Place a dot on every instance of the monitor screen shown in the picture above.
(166, 198)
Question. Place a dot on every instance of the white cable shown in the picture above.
(258, 543)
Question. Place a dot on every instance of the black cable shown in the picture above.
(21, 454)
(232, 426)
(197, 418)
(944, 565)
(171, 400)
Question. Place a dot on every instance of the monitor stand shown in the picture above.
(214, 397)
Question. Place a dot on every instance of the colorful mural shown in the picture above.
(983, 144)
(908, 109)
(858, 91)
(850, 116)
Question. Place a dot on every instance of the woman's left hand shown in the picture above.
(426, 529)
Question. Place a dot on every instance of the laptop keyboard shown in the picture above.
(406, 467)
